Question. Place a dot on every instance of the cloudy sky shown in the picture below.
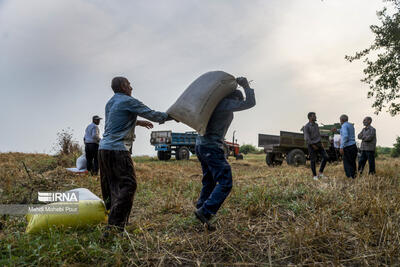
(57, 59)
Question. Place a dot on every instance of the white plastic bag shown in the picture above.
(81, 162)
(197, 103)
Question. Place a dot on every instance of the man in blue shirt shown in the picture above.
(117, 173)
(217, 175)
(348, 147)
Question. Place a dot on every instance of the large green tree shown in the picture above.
(382, 58)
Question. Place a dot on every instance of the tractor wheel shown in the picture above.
(239, 156)
(183, 153)
(296, 157)
(272, 160)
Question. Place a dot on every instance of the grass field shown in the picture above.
(273, 216)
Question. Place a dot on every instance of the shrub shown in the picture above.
(65, 145)
(248, 148)
(396, 148)
(383, 150)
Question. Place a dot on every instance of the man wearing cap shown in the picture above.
(117, 173)
(91, 140)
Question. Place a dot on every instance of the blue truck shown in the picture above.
(168, 143)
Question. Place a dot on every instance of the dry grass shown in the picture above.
(274, 216)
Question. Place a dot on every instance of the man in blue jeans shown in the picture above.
(217, 175)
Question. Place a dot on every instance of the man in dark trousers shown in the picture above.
(217, 175)
(348, 147)
(313, 140)
(368, 146)
(117, 173)
(92, 139)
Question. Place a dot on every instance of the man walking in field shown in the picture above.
(315, 148)
(368, 146)
(117, 173)
(217, 175)
(348, 148)
(91, 140)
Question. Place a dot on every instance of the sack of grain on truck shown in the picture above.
(197, 103)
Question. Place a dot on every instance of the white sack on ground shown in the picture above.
(80, 165)
(197, 103)
(81, 162)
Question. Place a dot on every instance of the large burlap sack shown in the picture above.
(197, 103)
(91, 212)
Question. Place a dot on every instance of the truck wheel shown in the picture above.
(160, 155)
(183, 153)
(164, 155)
(296, 157)
(167, 155)
(271, 159)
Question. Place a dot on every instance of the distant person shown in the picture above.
(217, 175)
(315, 148)
(368, 146)
(91, 140)
(348, 147)
(117, 173)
